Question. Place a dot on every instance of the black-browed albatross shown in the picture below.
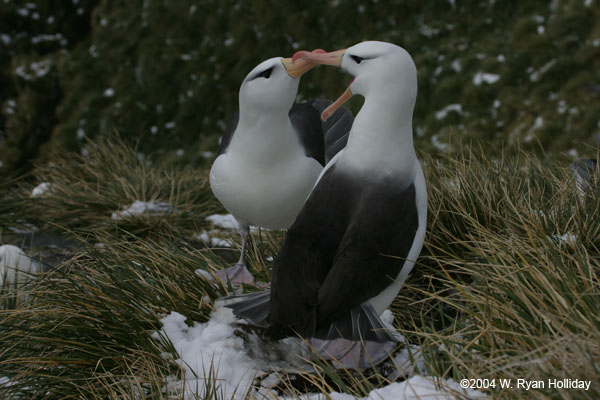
(359, 233)
(272, 152)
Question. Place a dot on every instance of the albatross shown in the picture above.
(272, 152)
(356, 239)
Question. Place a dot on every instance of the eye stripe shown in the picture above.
(264, 74)
(357, 59)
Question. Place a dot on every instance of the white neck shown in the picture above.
(266, 136)
(381, 138)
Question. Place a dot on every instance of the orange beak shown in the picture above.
(333, 58)
(297, 68)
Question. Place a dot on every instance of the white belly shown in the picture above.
(261, 193)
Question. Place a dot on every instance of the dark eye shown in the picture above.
(265, 74)
(357, 59)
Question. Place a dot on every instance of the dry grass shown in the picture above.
(85, 191)
(495, 295)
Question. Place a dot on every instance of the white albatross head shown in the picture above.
(380, 69)
(272, 85)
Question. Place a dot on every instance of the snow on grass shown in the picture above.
(565, 239)
(34, 70)
(420, 387)
(202, 273)
(41, 190)
(456, 66)
(485, 77)
(213, 241)
(142, 207)
(435, 140)
(212, 351)
(226, 221)
(449, 108)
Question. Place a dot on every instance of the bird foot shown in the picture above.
(348, 354)
(236, 275)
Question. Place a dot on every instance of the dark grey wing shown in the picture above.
(373, 250)
(307, 123)
(336, 128)
(306, 255)
(348, 244)
(229, 130)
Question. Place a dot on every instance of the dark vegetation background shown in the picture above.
(165, 75)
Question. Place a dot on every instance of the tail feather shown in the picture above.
(253, 307)
(361, 324)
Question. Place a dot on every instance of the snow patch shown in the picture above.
(49, 38)
(142, 207)
(34, 70)
(421, 387)
(213, 241)
(456, 66)
(227, 221)
(428, 31)
(450, 107)
(561, 107)
(41, 190)
(435, 140)
(202, 273)
(565, 239)
(485, 77)
(212, 349)
(573, 153)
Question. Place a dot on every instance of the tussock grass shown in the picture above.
(496, 293)
(500, 293)
(89, 329)
(85, 191)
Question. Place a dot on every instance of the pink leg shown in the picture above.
(236, 275)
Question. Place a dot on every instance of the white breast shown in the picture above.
(267, 193)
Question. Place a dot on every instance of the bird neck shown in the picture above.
(381, 138)
(261, 134)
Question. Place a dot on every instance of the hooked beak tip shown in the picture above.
(298, 55)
